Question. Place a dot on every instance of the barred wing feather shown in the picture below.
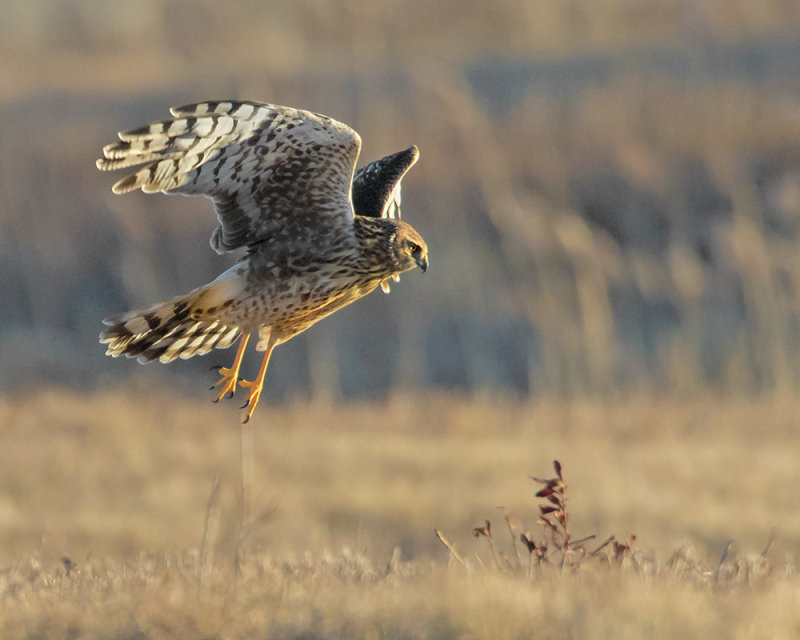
(268, 169)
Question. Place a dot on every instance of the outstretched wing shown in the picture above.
(268, 169)
(376, 186)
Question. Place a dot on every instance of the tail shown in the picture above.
(166, 331)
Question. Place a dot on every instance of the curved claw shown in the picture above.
(216, 367)
(229, 377)
(256, 385)
(224, 396)
(226, 383)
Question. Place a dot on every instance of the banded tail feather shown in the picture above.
(164, 332)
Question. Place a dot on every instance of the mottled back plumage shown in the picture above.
(268, 169)
(283, 187)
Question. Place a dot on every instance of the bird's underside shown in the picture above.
(317, 235)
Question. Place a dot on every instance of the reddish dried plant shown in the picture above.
(554, 518)
(553, 515)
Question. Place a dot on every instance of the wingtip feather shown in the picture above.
(126, 185)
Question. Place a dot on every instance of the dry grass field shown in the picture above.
(139, 514)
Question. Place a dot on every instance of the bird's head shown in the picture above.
(409, 248)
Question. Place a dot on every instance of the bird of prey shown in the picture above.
(318, 235)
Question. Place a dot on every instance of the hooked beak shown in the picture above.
(422, 262)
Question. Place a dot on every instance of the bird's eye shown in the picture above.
(413, 248)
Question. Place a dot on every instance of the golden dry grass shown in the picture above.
(336, 539)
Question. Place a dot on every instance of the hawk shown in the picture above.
(317, 235)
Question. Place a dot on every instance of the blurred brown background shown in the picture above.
(610, 190)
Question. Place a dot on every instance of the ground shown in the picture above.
(134, 514)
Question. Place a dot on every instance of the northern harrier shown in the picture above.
(317, 237)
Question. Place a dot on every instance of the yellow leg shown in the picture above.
(256, 385)
(229, 377)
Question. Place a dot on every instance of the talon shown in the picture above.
(216, 367)
(255, 386)
(227, 382)
(230, 377)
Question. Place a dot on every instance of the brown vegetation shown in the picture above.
(125, 513)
